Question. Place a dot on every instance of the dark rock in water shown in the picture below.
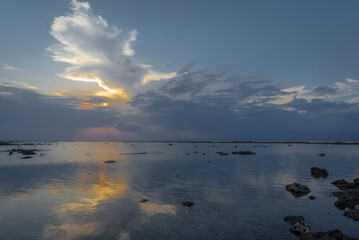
(177, 175)
(289, 145)
(244, 153)
(188, 204)
(170, 144)
(322, 154)
(298, 190)
(299, 229)
(352, 214)
(219, 152)
(318, 172)
(235, 147)
(110, 161)
(23, 151)
(27, 152)
(144, 200)
(203, 154)
(302, 230)
(348, 198)
(223, 154)
(329, 235)
(344, 185)
(311, 197)
(294, 219)
(26, 157)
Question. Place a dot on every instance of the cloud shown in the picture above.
(200, 105)
(10, 68)
(98, 52)
(29, 115)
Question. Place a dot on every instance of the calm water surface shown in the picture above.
(68, 192)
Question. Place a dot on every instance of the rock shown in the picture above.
(348, 198)
(110, 161)
(188, 204)
(203, 154)
(311, 197)
(222, 153)
(300, 229)
(244, 153)
(3, 143)
(170, 144)
(329, 235)
(298, 190)
(27, 152)
(322, 154)
(344, 185)
(144, 200)
(352, 214)
(294, 219)
(318, 172)
(26, 157)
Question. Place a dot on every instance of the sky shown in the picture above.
(179, 70)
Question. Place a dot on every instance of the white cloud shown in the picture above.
(10, 68)
(95, 49)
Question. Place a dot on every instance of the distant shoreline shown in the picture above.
(33, 142)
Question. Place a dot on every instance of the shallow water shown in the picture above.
(68, 192)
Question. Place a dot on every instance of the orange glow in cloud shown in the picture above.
(105, 133)
(282, 100)
(89, 77)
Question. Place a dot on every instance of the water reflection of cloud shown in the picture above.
(153, 208)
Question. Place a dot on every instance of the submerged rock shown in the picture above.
(298, 190)
(318, 172)
(244, 152)
(110, 161)
(311, 197)
(26, 157)
(144, 200)
(322, 154)
(188, 204)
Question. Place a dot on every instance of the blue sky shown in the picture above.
(133, 70)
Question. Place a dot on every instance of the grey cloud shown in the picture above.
(28, 115)
(238, 109)
(325, 90)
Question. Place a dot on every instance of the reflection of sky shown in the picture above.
(70, 193)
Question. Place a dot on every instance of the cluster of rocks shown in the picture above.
(26, 152)
(302, 230)
(348, 198)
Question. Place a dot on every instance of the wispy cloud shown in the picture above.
(10, 68)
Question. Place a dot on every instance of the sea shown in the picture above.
(136, 190)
